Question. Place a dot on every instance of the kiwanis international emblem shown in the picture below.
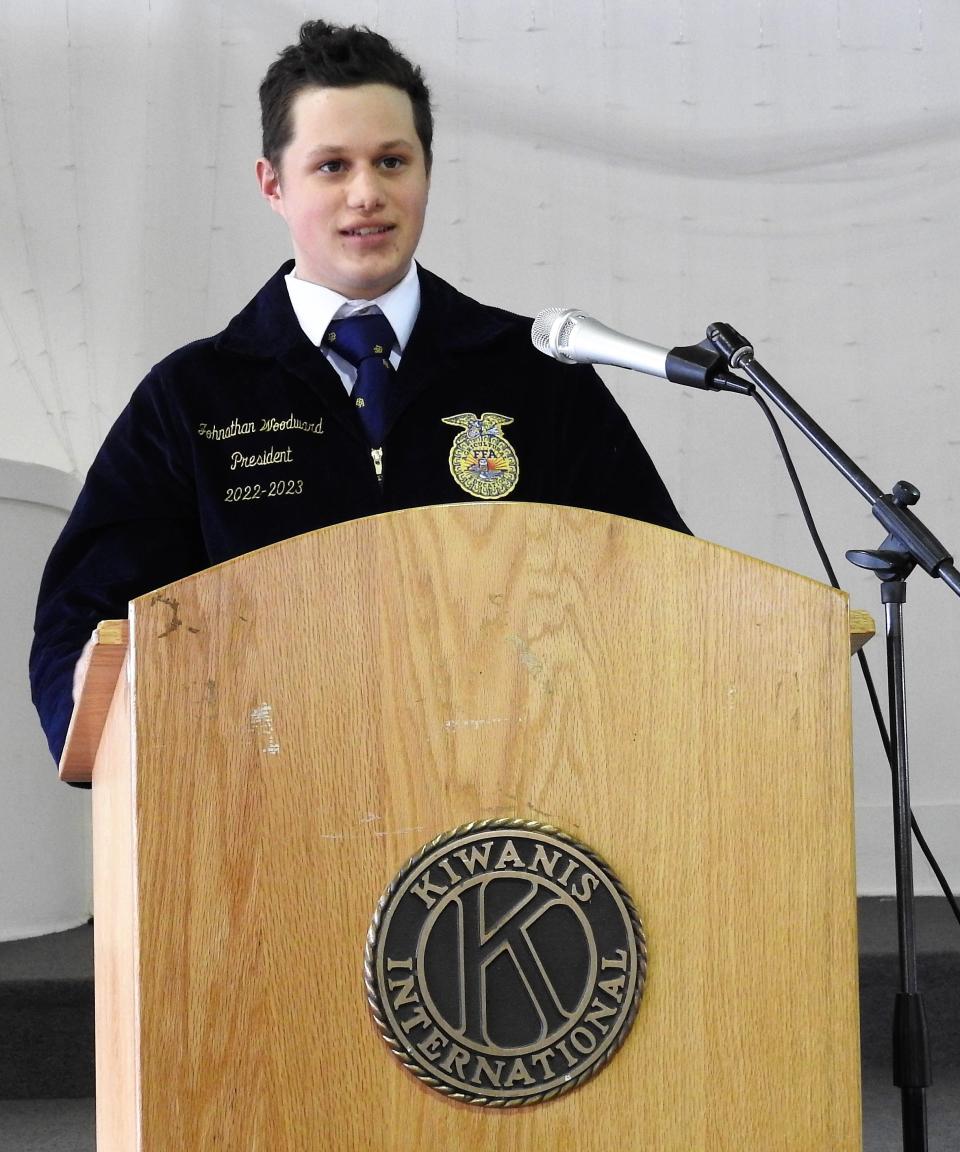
(482, 461)
(505, 963)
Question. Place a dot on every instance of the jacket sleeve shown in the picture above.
(134, 527)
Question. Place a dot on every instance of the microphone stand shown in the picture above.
(908, 543)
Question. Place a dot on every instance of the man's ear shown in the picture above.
(269, 180)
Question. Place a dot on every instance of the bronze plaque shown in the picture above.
(505, 963)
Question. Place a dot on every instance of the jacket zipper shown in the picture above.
(377, 454)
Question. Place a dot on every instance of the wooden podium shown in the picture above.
(294, 724)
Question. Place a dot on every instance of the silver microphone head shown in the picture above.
(551, 330)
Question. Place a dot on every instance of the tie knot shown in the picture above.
(356, 338)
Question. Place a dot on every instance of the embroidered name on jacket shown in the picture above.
(238, 427)
(483, 462)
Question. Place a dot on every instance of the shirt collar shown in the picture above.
(315, 306)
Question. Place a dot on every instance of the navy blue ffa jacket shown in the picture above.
(249, 437)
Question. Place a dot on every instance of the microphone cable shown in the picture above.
(861, 657)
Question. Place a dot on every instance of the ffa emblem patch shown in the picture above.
(505, 963)
(482, 461)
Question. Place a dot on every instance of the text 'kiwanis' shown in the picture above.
(509, 859)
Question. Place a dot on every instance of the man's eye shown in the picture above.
(332, 166)
(392, 162)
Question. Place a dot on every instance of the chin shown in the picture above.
(370, 286)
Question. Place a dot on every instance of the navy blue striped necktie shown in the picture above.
(365, 342)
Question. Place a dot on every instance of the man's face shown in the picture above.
(352, 187)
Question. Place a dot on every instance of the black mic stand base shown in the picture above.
(911, 1049)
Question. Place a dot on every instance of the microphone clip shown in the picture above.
(701, 366)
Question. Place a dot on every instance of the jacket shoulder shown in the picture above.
(461, 323)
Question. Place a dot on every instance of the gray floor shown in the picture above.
(881, 1114)
(47, 1126)
(68, 1125)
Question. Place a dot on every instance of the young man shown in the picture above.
(279, 425)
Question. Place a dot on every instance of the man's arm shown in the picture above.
(134, 527)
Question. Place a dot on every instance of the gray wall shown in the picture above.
(44, 825)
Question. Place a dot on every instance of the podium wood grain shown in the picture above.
(306, 717)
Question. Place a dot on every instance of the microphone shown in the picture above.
(573, 337)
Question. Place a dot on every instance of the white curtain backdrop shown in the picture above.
(792, 168)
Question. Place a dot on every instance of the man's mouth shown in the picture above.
(372, 230)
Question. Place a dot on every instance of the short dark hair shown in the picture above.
(330, 56)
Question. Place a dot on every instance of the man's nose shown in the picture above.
(366, 189)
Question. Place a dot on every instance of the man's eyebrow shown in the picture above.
(392, 145)
(333, 149)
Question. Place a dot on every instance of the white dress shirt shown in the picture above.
(316, 306)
